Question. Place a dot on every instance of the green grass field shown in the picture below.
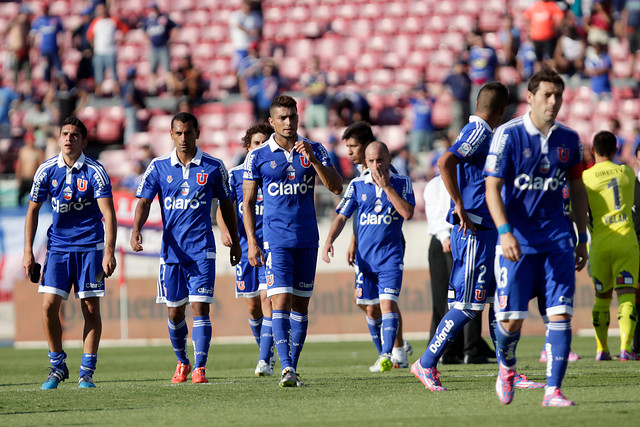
(133, 389)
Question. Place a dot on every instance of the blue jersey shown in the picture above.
(472, 147)
(235, 187)
(534, 169)
(158, 29)
(483, 62)
(48, 27)
(186, 193)
(77, 220)
(379, 225)
(287, 180)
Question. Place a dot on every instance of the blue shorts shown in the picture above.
(179, 283)
(472, 283)
(249, 280)
(371, 287)
(291, 271)
(81, 269)
(550, 276)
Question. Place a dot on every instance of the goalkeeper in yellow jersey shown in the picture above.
(614, 254)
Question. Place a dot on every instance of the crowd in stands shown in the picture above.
(411, 68)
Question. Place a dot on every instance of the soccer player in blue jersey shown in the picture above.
(251, 281)
(80, 250)
(530, 159)
(382, 200)
(473, 237)
(285, 169)
(186, 181)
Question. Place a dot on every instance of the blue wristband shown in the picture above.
(505, 228)
(583, 238)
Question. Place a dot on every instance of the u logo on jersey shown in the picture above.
(502, 301)
(240, 284)
(269, 279)
(201, 178)
(480, 293)
(81, 184)
(304, 162)
(563, 154)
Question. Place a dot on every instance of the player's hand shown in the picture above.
(304, 148)
(136, 241)
(465, 222)
(256, 258)
(380, 176)
(28, 260)
(510, 247)
(326, 251)
(226, 239)
(108, 264)
(446, 245)
(351, 254)
(582, 255)
(235, 253)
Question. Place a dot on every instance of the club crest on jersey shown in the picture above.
(240, 285)
(304, 162)
(259, 198)
(291, 172)
(563, 154)
(81, 184)
(169, 179)
(480, 293)
(364, 197)
(202, 178)
(502, 301)
(273, 164)
(545, 165)
(526, 153)
(464, 149)
(66, 193)
(54, 182)
(184, 188)
(269, 279)
(378, 206)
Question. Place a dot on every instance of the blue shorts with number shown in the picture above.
(80, 269)
(550, 276)
(472, 283)
(371, 287)
(250, 280)
(291, 271)
(179, 283)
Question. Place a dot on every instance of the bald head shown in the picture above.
(377, 155)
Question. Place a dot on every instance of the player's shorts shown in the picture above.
(80, 269)
(614, 268)
(179, 283)
(291, 271)
(372, 287)
(472, 283)
(250, 280)
(550, 276)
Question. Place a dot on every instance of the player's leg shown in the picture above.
(374, 323)
(601, 266)
(200, 277)
(636, 335)
(401, 347)
(627, 321)
(267, 356)
(366, 296)
(303, 282)
(254, 307)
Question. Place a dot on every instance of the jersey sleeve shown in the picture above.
(498, 163)
(101, 183)
(149, 185)
(468, 142)
(222, 186)
(349, 202)
(576, 166)
(407, 191)
(232, 187)
(40, 187)
(251, 169)
(322, 154)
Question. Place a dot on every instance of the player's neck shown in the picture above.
(70, 160)
(543, 127)
(185, 158)
(600, 159)
(286, 143)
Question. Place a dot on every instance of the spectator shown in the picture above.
(401, 161)
(131, 180)
(598, 25)
(526, 59)
(8, 99)
(29, 158)
(133, 101)
(509, 39)
(598, 67)
(69, 98)
(483, 63)
(542, 21)
(631, 29)
(570, 51)
(82, 44)
(268, 89)
(315, 87)
(249, 72)
(187, 81)
(102, 35)
(37, 121)
(245, 26)
(47, 28)
(351, 106)
(17, 39)
(158, 27)
(459, 84)
(421, 134)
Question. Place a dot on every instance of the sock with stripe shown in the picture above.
(601, 318)
(88, 364)
(448, 329)
(299, 325)
(506, 345)
(256, 328)
(178, 335)
(627, 320)
(557, 345)
(201, 340)
(389, 331)
(58, 359)
(281, 334)
(374, 330)
(266, 339)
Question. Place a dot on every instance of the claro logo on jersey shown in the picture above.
(380, 219)
(282, 189)
(527, 182)
(78, 205)
(181, 204)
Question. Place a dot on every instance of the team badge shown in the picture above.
(364, 197)
(269, 279)
(563, 154)
(502, 301)
(291, 172)
(545, 165)
(240, 284)
(184, 188)
(259, 198)
(304, 162)
(526, 153)
(464, 149)
(273, 164)
(169, 179)
(54, 182)
(81, 184)
(202, 178)
(378, 206)
(66, 193)
(480, 294)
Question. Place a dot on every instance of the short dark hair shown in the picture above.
(605, 144)
(493, 97)
(262, 128)
(185, 118)
(360, 131)
(283, 101)
(74, 121)
(546, 74)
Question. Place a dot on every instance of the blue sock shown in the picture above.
(58, 359)
(506, 348)
(493, 323)
(201, 340)
(266, 339)
(558, 345)
(178, 335)
(389, 331)
(281, 334)
(299, 325)
(448, 329)
(256, 327)
(88, 364)
(374, 330)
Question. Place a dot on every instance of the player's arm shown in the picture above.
(334, 232)
(382, 179)
(249, 196)
(30, 227)
(448, 164)
(508, 242)
(579, 208)
(140, 218)
(228, 214)
(351, 251)
(225, 236)
(110, 231)
(328, 174)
